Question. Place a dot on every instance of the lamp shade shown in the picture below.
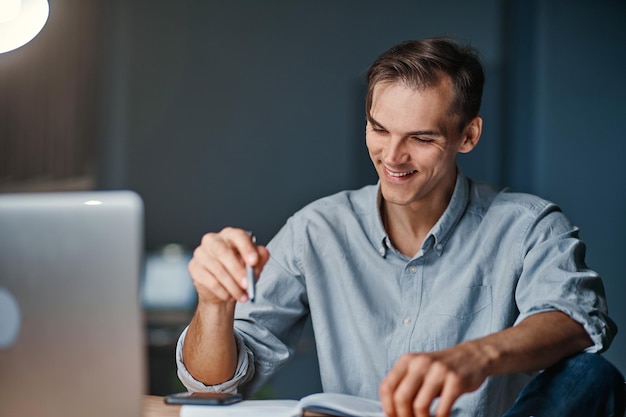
(21, 21)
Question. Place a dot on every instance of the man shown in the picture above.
(428, 291)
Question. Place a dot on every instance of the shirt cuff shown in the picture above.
(194, 385)
(596, 329)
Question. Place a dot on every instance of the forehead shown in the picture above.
(397, 103)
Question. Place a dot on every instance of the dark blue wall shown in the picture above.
(564, 130)
(240, 112)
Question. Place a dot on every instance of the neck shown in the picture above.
(408, 225)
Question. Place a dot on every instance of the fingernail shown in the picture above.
(244, 298)
(244, 282)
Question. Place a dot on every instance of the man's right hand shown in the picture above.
(219, 275)
(218, 266)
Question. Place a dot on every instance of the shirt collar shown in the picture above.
(441, 231)
(382, 241)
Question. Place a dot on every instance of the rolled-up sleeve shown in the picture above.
(267, 331)
(230, 386)
(556, 278)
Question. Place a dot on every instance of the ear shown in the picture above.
(471, 134)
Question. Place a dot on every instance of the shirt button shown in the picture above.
(381, 251)
(413, 269)
(406, 320)
(439, 246)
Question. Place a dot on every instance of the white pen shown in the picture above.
(250, 274)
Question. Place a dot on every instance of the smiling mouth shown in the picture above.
(398, 174)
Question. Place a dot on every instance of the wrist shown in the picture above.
(486, 353)
(222, 310)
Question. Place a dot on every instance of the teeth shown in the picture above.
(398, 174)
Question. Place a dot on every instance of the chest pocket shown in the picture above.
(462, 314)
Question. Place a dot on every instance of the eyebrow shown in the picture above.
(413, 133)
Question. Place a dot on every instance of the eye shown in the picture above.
(421, 139)
(376, 129)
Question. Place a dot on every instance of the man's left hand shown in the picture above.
(417, 379)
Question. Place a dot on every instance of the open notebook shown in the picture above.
(340, 405)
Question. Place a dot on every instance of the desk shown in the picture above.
(153, 406)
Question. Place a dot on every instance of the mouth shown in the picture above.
(398, 174)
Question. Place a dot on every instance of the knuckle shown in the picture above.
(406, 359)
(385, 389)
(419, 410)
(439, 368)
(228, 231)
(221, 251)
(402, 397)
(421, 406)
(417, 363)
(459, 384)
(214, 288)
(207, 238)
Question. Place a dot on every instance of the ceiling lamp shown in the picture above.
(21, 21)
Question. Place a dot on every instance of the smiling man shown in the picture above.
(413, 140)
(429, 291)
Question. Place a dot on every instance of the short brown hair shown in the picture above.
(421, 64)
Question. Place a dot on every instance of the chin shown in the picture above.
(397, 198)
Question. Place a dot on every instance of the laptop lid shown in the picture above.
(71, 334)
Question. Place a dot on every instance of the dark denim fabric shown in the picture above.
(585, 385)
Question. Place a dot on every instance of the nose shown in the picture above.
(395, 151)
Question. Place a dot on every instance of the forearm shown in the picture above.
(536, 343)
(210, 350)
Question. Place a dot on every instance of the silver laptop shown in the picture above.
(71, 334)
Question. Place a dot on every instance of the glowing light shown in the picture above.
(93, 203)
(9, 9)
(21, 21)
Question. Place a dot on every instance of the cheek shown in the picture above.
(372, 149)
(374, 145)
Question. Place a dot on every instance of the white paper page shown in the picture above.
(256, 408)
(341, 404)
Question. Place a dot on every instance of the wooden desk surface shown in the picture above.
(153, 406)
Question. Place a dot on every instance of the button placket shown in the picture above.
(410, 302)
(410, 287)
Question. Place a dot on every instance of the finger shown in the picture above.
(207, 286)
(450, 393)
(211, 279)
(388, 386)
(264, 256)
(404, 396)
(215, 260)
(235, 249)
(431, 389)
(243, 243)
(223, 257)
(232, 283)
(390, 383)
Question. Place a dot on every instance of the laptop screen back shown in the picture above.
(71, 335)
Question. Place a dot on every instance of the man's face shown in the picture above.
(413, 141)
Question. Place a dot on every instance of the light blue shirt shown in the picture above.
(493, 259)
